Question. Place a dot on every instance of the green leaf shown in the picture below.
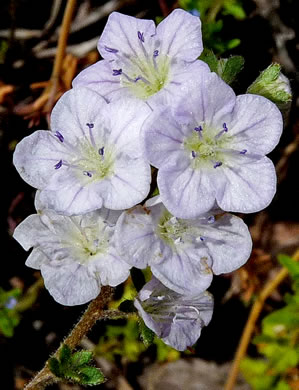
(234, 8)
(65, 355)
(209, 58)
(290, 264)
(81, 358)
(281, 357)
(147, 335)
(91, 376)
(282, 385)
(229, 68)
(54, 366)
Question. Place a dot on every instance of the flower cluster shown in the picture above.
(148, 106)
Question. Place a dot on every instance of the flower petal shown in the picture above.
(99, 78)
(70, 284)
(256, 124)
(186, 272)
(121, 34)
(186, 192)
(246, 188)
(229, 243)
(180, 35)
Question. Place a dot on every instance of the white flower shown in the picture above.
(210, 146)
(143, 61)
(177, 319)
(183, 254)
(91, 158)
(76, 255)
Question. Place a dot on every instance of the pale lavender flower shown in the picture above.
(76, 255)
(177, 319)
(91, 158)
(183, 254)
(143, 61)
(210, 146)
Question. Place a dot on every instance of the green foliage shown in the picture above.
(9, 316)
(75, 367)
(131, 340)
(278, 342)
(3, 51)
(272, 85)
(212, 28)
(226, 68)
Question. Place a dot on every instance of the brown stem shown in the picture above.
(93, 313)
(250, 325)
(62, 42)
(213, 11)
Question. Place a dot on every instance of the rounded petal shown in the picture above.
(36, 259)
(229, 243)
(121, 34)
(136, 240)
(35, 158)
(111, 268)
(26, 233)
(256, 124)
(162, 138)
(70, 284)
(126, 117)
(99, 78)
(74, 110)
(246, 188)
(186, 272)
(180, 35)
(186, 192)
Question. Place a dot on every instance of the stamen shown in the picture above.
(140, 36)
(58, 165)
(59, 136)
(224, 127)
(141, 78)
(90, 125)
(86, 173)
(110, 49)
(193, 154)
(101, 151)
(117, 72)
(201, 238)
(244, 151)
(156, 53)
(225, 130)
(217, 164)
(199, 130)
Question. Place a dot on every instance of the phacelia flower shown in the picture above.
(76, 255)
(143, 61)
(91, 158)
(211, 146)
(177, 319)
(183, 254)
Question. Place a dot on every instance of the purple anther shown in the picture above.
(224, 127)
(244, 151)
(218, 164)
(211, 219)
(59, 136)
(90, 125)
(110, 49)
(101, 151)
(86, 173)
(140, 36)
(199, 128)
(156, 53)
(201, 238)
(117, 72)
(193, 154)
(58, 165)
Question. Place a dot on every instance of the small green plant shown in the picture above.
(278, 342)
(9, 316)
(76, 367)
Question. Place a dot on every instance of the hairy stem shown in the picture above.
(94, 312)
(250, 325)
(213, 11)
